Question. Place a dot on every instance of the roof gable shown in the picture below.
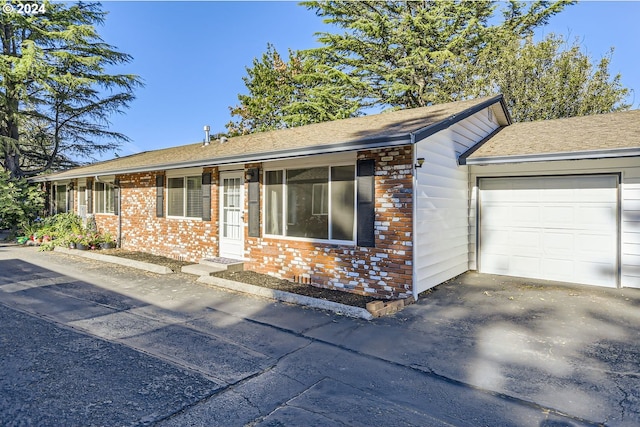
(596, 136)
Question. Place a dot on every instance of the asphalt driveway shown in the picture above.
(84, 343)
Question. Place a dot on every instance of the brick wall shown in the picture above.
(384, 270)
(185, 239)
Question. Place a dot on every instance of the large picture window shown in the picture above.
(103, 198)
(184, 196)
(316, 203)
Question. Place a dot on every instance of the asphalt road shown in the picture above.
(88, 344)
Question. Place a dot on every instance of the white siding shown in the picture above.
(630, 244)
(442, 202)
(629, 168)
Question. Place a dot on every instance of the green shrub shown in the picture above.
(20, 202)
(62, 230)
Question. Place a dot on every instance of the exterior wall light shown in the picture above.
(420, 162)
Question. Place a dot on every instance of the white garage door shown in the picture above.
(554, 228)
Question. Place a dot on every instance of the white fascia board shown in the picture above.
(545, 157)
(392, 141)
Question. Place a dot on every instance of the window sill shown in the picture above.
(185, 218)
(311, 240)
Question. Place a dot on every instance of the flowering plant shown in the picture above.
(86, 239)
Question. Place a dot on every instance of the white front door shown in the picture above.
(557, 228)
(231, 215)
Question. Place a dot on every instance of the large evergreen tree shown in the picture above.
(56, 92)
(292, 92)
(550, 79)
(405, 54)
(417, 53)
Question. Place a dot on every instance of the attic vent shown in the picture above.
(303, 279)
(223, 139)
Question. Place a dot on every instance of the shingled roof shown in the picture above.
(596, 136)
(386, 129)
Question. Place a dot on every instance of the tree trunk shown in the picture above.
(12, 149)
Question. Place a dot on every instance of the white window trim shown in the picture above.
(284, 165)
(82, 182)
(103, 194)
(66, 194)
(184, 193)
(335, 159)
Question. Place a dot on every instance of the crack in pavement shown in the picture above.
(433, 374)
(228, 386)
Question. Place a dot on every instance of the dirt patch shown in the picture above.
(173, 264)
(266, 281)
(252, 278)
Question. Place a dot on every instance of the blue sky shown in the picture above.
(192, 56)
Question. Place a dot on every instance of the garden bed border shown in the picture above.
(154, 268)
(336, 307)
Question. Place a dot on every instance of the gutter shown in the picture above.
(364, 144)
(545, 157)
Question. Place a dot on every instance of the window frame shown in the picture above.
(105, 196)
(66, 197)
(82, 199)
(285, 202)
(197, 177)
(324, 201)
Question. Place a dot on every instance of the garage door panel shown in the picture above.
(557, 269)
(528, 265)
(498, 263)
(595, 243)
(521, 215)
(597, 195)
(556, 228)
(595, 273)
(597, 215)
(560, 216)
(527, 239)
(513, 242)
(558, 242)
(551, 195)
(524, 215)
(494, 213)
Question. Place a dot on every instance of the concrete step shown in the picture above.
(201, 269)
(224, 263)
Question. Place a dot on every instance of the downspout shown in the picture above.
(414, 211)
(119, 232)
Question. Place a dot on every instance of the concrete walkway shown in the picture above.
(204, 277)
(84, 343)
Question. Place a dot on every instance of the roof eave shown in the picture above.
(362, 144)
(427, 131)
(545, 157)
